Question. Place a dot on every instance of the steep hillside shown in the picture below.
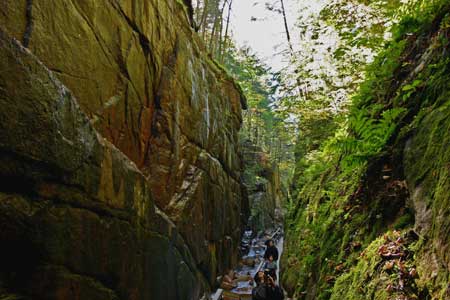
(373, 222)
(141, 76)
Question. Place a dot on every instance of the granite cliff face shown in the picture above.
(143, 81)
(78, 220)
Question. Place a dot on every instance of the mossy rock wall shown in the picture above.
(382, 231)
(143, 78)
(427, 169)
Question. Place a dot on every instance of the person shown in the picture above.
(271, 266)
(230, 280)
(271, 250)
(259, 277)
(267, 289)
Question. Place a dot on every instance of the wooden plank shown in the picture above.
(275, 233)
(260, 266)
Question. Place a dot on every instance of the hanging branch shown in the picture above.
(291, 48)
(218, 44)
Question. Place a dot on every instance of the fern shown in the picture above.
(367, 136)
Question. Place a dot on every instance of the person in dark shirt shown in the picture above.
(271, 266)
(259, 277)
(268, 290)
(271, 250)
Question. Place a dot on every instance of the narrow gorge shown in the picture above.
(154, 149)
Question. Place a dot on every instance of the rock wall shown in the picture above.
(142, 77)
(263, 183)
(427, 170)
(78, 220)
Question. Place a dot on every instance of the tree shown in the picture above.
(264, 126)
(212, 20)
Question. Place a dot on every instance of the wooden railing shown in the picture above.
(275, 233)
(217, 295)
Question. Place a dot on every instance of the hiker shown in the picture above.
(259, 277)
(271, 266)
(230, 280)
(267, 289)
(271, 250)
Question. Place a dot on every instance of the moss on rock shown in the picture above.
(344, 215)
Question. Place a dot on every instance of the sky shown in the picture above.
(266, 36)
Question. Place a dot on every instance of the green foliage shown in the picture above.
(410, 89)
(367, 136)
(416, 17)
(408, 79)
(251, 175)
(379, 75)
(326, 75)
(263, 125)
(335, 46)
(404, 221)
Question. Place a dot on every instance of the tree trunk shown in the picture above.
(286, 27)
(223, 47)
(215, 32)
(190, 9)
(291, 49)
(203, 19)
